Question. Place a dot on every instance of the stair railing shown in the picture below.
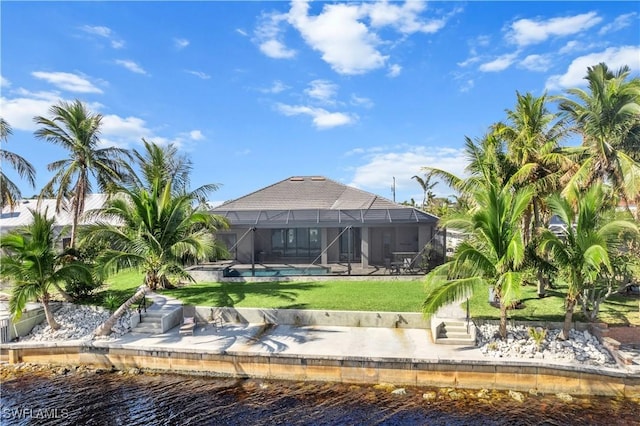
(142, 305)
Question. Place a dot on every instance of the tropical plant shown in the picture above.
(104, 329)
(30, 262)
(156, 230)
(583, 252)
(607, 117)
(77, 130)
(9, 191)
(160, 165)
(490, 257)
(532, 134)
(427, 195)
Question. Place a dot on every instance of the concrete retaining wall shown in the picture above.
(470, 375)
(303, 317)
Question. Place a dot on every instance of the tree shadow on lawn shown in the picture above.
(230, 294)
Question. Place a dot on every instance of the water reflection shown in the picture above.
(122, 399)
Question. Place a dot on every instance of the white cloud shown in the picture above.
(276, 49)
(345, 43)
(536, 63)
(4, 82)
(614, 57)
(131, 128)
(404, 18)
(499, 64)
(196, 135)
(524, 32)
(276, 87)
(394, 70)
(322, 119)
(19, 111)
(619, 23)
(199, 74)
(241, 32)
(104, 32)
(131, 66)
(403, 162)
(180, 43)
(345, 34)
(322, 90)
(360, 101)
(268, 36)
(97, 30)
(67, 81)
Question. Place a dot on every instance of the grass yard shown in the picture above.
(617, 310)
(385, 296)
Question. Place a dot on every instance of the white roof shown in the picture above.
(21, 214)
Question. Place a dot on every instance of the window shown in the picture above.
(350, 244)
(296, 242)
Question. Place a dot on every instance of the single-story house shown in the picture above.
(315, 220)
(21, 215)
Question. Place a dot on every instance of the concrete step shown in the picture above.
(147, 328)
(454, 332)
(455, 341)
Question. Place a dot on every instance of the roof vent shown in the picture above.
(296, 179)
(318, 178)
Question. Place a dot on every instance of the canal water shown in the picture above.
(110, 398)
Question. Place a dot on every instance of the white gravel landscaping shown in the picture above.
(78, 322)
(581, 347)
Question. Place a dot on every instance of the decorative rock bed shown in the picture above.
(581, 347)
(78, 322)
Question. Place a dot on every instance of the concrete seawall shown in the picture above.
(470, 374)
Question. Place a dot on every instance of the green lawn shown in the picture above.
(394, 296)
(121, 286)
(389, 296)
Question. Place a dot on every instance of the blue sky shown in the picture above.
(256, 92)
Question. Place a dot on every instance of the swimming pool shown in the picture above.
(275, 271)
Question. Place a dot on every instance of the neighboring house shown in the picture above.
(312, 219)
(454, 238)
(21, 214)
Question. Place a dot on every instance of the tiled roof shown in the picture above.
(21, 214)
(316, 200)
(308, 192)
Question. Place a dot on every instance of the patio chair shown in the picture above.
(217, 320)
(189, 321)
(407, 265)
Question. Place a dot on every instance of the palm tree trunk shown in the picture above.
(503, 320)
(568, 319)
(66, 296)
(105, 328)
(48, 314)
(542, 284)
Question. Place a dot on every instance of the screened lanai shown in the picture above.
(314, 220)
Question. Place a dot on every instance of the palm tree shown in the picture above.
(159, 165)
(77, 130)
(9, 191)
(491, 257)
(487, 162)
(426, 186)
(532, 134)
(156, 231)
(30, 262)
(586, 246)
(607, 117)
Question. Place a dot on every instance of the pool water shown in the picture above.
(275, 272)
